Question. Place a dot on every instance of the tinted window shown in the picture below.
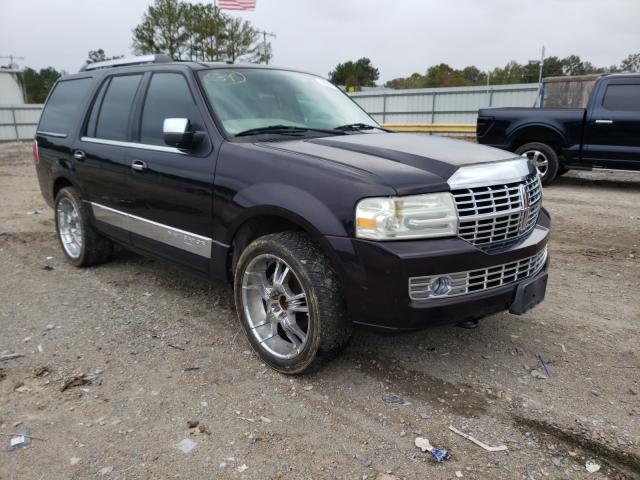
(64, 106)
(168, 96)
(113, 119)
(93, 118)
(622, 97)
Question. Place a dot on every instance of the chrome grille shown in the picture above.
(478, 280)
(498, 213)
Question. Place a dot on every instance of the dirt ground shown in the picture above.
(159, 349)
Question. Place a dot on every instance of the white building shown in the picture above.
(11, 87)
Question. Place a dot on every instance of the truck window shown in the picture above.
(622, 98)
(63, 107)
(113, 114)
(168, 96)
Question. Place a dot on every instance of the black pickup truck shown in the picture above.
(606, 134)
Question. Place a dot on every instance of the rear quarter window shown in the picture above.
(64, 106)
(622, 98)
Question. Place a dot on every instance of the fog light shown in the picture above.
(440, 286)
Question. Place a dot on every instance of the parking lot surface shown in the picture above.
(121, 361)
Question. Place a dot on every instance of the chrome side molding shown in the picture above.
(190, 242)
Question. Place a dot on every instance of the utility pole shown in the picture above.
(11, 58)
(266, 34)
(540, 86)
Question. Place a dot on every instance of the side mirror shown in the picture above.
(177, 133)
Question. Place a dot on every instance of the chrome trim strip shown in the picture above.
(487, 174)
(221, 244)
(141, 146)
(190, 242)
(52, 134)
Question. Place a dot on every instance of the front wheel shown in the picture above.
(289, 302)
(544, 158)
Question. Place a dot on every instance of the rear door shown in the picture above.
(612, 130)
(103, 153)
(172, 189)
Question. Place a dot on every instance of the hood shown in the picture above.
(409, 163)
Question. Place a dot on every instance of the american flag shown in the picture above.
(237, 4)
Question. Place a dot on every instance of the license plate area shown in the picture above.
(529, 293)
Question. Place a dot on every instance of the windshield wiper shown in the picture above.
(284, 130)
(358, 126)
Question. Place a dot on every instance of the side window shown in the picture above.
(112, 119)
(64, 105)
(168, 96)
(622, 98)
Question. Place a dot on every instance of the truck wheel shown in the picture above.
(289, 302)
(81, 244)
(544, 158)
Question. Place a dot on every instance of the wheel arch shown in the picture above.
(265, 220)
(58, 184)
(540, 133)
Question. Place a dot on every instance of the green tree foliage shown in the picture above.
(99, 56)
(355, 74)
(37, 84)
(631, 63)
(197, 32)
(443, 75)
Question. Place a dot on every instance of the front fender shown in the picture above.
(291, 203)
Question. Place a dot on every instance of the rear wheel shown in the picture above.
(544, 158)
(81, 244)
(289, 302)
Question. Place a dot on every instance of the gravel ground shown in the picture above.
(153, 349)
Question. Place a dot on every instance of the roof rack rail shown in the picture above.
(121, 62)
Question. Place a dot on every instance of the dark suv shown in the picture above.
(278, 182)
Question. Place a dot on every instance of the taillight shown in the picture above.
(36, 157)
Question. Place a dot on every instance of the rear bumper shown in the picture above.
(375, 276)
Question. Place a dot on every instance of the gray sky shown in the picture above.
(400, 36)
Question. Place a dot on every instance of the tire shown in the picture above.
(544, 157)
(81, 244)
(268, 311)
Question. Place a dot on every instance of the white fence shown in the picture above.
(443, 105)
(18, 122)
(418, 106)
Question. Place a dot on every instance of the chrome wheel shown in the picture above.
(275, 306)
(539, 159)
(69, 228)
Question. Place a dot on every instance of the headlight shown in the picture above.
(400, 218)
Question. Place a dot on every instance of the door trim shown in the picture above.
(188, 241)
(142, 146)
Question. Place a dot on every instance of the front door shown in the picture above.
(612, 130)
(172, 189)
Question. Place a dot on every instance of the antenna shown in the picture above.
(266, 34)
(11, 58)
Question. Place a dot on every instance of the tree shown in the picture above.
(631, 63)
(99, 56)
(163, 29)
(37, 84)
(241, 40)
(197, 32)
(355, 74)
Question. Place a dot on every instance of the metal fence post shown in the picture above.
(15, 123)
(433, 107)
(384, 107)
(491, 97)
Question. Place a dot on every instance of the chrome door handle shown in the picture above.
(138, 165)
(608, 122)
(79, 155)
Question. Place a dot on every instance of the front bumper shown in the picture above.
(375, 277)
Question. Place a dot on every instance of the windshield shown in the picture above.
(251, 98)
